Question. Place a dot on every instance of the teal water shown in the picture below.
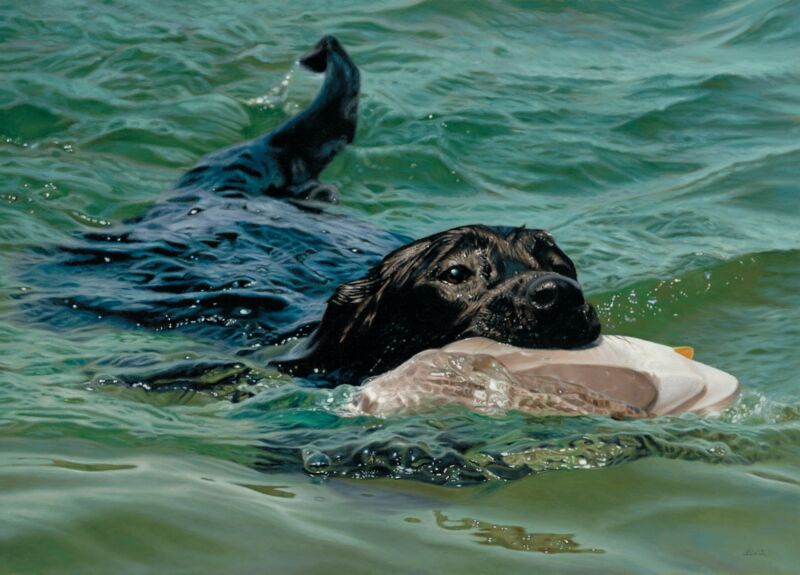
(658, 141)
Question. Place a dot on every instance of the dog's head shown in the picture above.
(513, 285)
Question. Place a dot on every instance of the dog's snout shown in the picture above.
(554, 291)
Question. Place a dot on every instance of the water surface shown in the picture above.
(658, 141)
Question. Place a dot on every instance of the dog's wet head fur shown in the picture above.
(513, 285)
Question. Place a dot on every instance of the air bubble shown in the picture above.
(316, 462)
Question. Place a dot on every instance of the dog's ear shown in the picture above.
(357, 291)
(355, 305)
(331, 346)
(395, 269)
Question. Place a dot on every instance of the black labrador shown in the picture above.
(241, 250)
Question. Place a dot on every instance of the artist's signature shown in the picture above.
(755, 552)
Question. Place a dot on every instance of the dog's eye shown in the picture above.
(456, 274)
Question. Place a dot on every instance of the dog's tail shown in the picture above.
(329, 123)
(317, 58)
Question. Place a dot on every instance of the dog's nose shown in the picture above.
(554, 291)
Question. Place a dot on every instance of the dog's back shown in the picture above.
(234, 248)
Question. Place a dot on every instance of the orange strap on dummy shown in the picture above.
(685, 351)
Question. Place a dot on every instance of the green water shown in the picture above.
(658, 141)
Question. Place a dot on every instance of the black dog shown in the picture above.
(238, 250)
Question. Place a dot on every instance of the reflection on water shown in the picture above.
(513, 536)
(271, 490)
(75, 466)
